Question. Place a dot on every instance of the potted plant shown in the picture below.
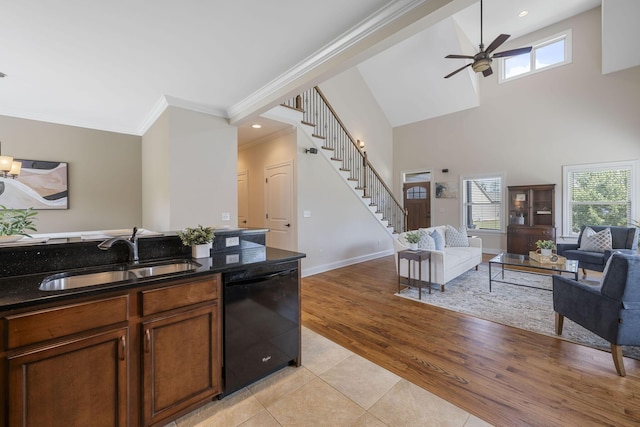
(199, 238)
(413, 237)
(14, 223)
(545, 247)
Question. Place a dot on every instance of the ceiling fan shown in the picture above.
(482, 60)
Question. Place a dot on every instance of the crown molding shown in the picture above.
(336, 47)
(168, 100)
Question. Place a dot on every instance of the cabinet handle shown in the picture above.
(147, 340)
(123, 347)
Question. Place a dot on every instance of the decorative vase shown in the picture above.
(201, 251)
(413, 246)
(545, 252)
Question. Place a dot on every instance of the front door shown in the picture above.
(417, 202)
(279, 206)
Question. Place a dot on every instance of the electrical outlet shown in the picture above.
(232, 241)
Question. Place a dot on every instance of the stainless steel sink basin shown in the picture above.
(161, 269)
(62, 281)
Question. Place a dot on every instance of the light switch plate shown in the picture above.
(233, 259)
(306, 214)
(232, 241)
(226, 216)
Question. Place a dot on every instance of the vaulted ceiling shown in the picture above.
(113, 65)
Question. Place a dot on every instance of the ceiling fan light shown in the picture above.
(481, 64)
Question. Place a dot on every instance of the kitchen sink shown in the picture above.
(161, 269)
(63, 281)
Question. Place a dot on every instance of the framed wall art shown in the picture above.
(446, 190)
(40, 185)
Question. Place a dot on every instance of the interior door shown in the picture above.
(279, 206)
(243, 199)
(417, 202)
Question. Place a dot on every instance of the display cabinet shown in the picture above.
(531, 217)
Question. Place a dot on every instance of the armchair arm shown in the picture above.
(476, 242)
(586, 306)
(609, 252)
(561, 247)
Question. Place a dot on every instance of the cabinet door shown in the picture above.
(181, 363)
(77, 383)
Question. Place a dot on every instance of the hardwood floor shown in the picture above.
(504, 375)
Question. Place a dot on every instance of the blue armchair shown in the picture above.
(623, 239)
(611, 311)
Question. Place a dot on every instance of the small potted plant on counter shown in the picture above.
(14, 223)
(199, 238)
(413, 237)
(545, 247)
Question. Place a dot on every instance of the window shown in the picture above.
(417, 193)
(482, 204)
(598, 194)
(418, 176)
(549, 53)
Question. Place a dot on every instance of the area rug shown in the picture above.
(522, 307)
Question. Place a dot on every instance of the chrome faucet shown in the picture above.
(132, 242)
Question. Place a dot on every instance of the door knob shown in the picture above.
(287, 225)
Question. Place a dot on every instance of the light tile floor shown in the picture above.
(333, 387)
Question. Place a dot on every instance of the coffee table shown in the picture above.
(517, 260)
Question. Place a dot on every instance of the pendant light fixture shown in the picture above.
(9, 167)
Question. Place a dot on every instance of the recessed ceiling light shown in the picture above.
(523, 13)
(256, 126)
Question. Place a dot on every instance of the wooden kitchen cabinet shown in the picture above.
(182, 348)
(141, 356)
(69, 365)
(78, 383)
(531, 217)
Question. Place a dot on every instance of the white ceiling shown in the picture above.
(108, 65)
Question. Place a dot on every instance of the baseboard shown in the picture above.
(343, 263)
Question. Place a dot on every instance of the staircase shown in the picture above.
(326, 130)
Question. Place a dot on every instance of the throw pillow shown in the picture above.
(456, 237)
(426, 241)
(437, 240)
(595, 242)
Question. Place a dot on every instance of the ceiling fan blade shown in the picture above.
(457, 71)
(487, 72)
(512, 52)
(497, 42)
(459, 56)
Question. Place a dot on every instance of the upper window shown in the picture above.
(598, 194)
(418, 176)
(548, 53)
(482, 203)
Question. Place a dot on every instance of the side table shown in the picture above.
(415, 256)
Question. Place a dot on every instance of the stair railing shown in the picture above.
(327, 125)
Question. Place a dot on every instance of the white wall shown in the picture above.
(530, 127)
(104, 177)
(354, 103)
(341, 230)
(156, 197)
(204, 157)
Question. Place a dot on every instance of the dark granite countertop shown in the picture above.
(23, 290)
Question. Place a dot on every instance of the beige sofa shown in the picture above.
(446, 264)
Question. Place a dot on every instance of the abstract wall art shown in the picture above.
(446, 190)
(40, 185)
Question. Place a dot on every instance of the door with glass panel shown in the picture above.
(417, 202)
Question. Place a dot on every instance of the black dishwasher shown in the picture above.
(261, 322)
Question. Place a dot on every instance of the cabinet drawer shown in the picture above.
(163, 299)
(33, 327)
